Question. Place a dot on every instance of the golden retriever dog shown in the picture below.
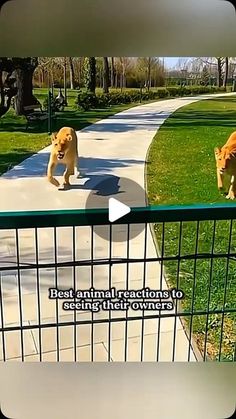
(226, 165)
(64, 150)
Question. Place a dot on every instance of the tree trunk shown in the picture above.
(100, 77)
(51, 78)
(65, 81)
(149, 74)
(219, 74)
(226, 71)
(123, 73)
(124, 80)
(105, 75)
(90, 74)
(6, 94)
(72, 73)
(24, 87)
(24, 70)
(116, 80)
(80, 71)
(112, 72)
(42, 77)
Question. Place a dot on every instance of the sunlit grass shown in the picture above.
(181, 170)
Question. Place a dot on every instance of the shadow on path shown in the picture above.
(36, 166)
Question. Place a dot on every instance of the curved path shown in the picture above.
(116, 146)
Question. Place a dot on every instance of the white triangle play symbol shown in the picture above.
(117, 210)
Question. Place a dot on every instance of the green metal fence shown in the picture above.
(196, 254)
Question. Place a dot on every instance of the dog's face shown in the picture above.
(61, 145)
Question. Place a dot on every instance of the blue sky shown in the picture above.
(171, 61)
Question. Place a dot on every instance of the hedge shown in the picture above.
(88, 100)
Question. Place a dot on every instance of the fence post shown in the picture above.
(49, 112)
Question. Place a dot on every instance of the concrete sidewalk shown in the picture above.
(116, 146)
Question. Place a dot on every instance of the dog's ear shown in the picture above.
(54, 136)
(69, 137)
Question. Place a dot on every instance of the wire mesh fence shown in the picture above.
(127, 299)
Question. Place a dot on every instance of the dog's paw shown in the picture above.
(78, 175)
(54, 182)
(63, 187)
(230, 196)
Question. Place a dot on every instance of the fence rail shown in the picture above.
(196, 253)
(99, 216)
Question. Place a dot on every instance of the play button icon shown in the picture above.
(117, 210)
(117, 195)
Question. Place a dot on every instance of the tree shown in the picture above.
(99, 71)
(23, 70)
(51, 70)
(226, 71)
(105, 75)
(148, 83)
(219, 67)
(205, 76)
(79, 63)
(123, 65)
(183, 64)
(158, 73)
(16, 79)
(65, 79)
(90, 74)
(7, 81)
(232, 67)
(45, 71)
(72, 73)
(112, 72)
(148, 69)
(220, 64)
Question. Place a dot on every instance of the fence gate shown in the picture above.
(119, 300)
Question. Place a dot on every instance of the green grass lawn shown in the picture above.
(181, 170)
(16, 143)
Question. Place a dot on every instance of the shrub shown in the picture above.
(114, 98)
(162, 93)
(135, 95)
(193, 90)
(117, 98)
(102, 101)
(222, 89)
(197, 90)
(87, 100)
(173, 91)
